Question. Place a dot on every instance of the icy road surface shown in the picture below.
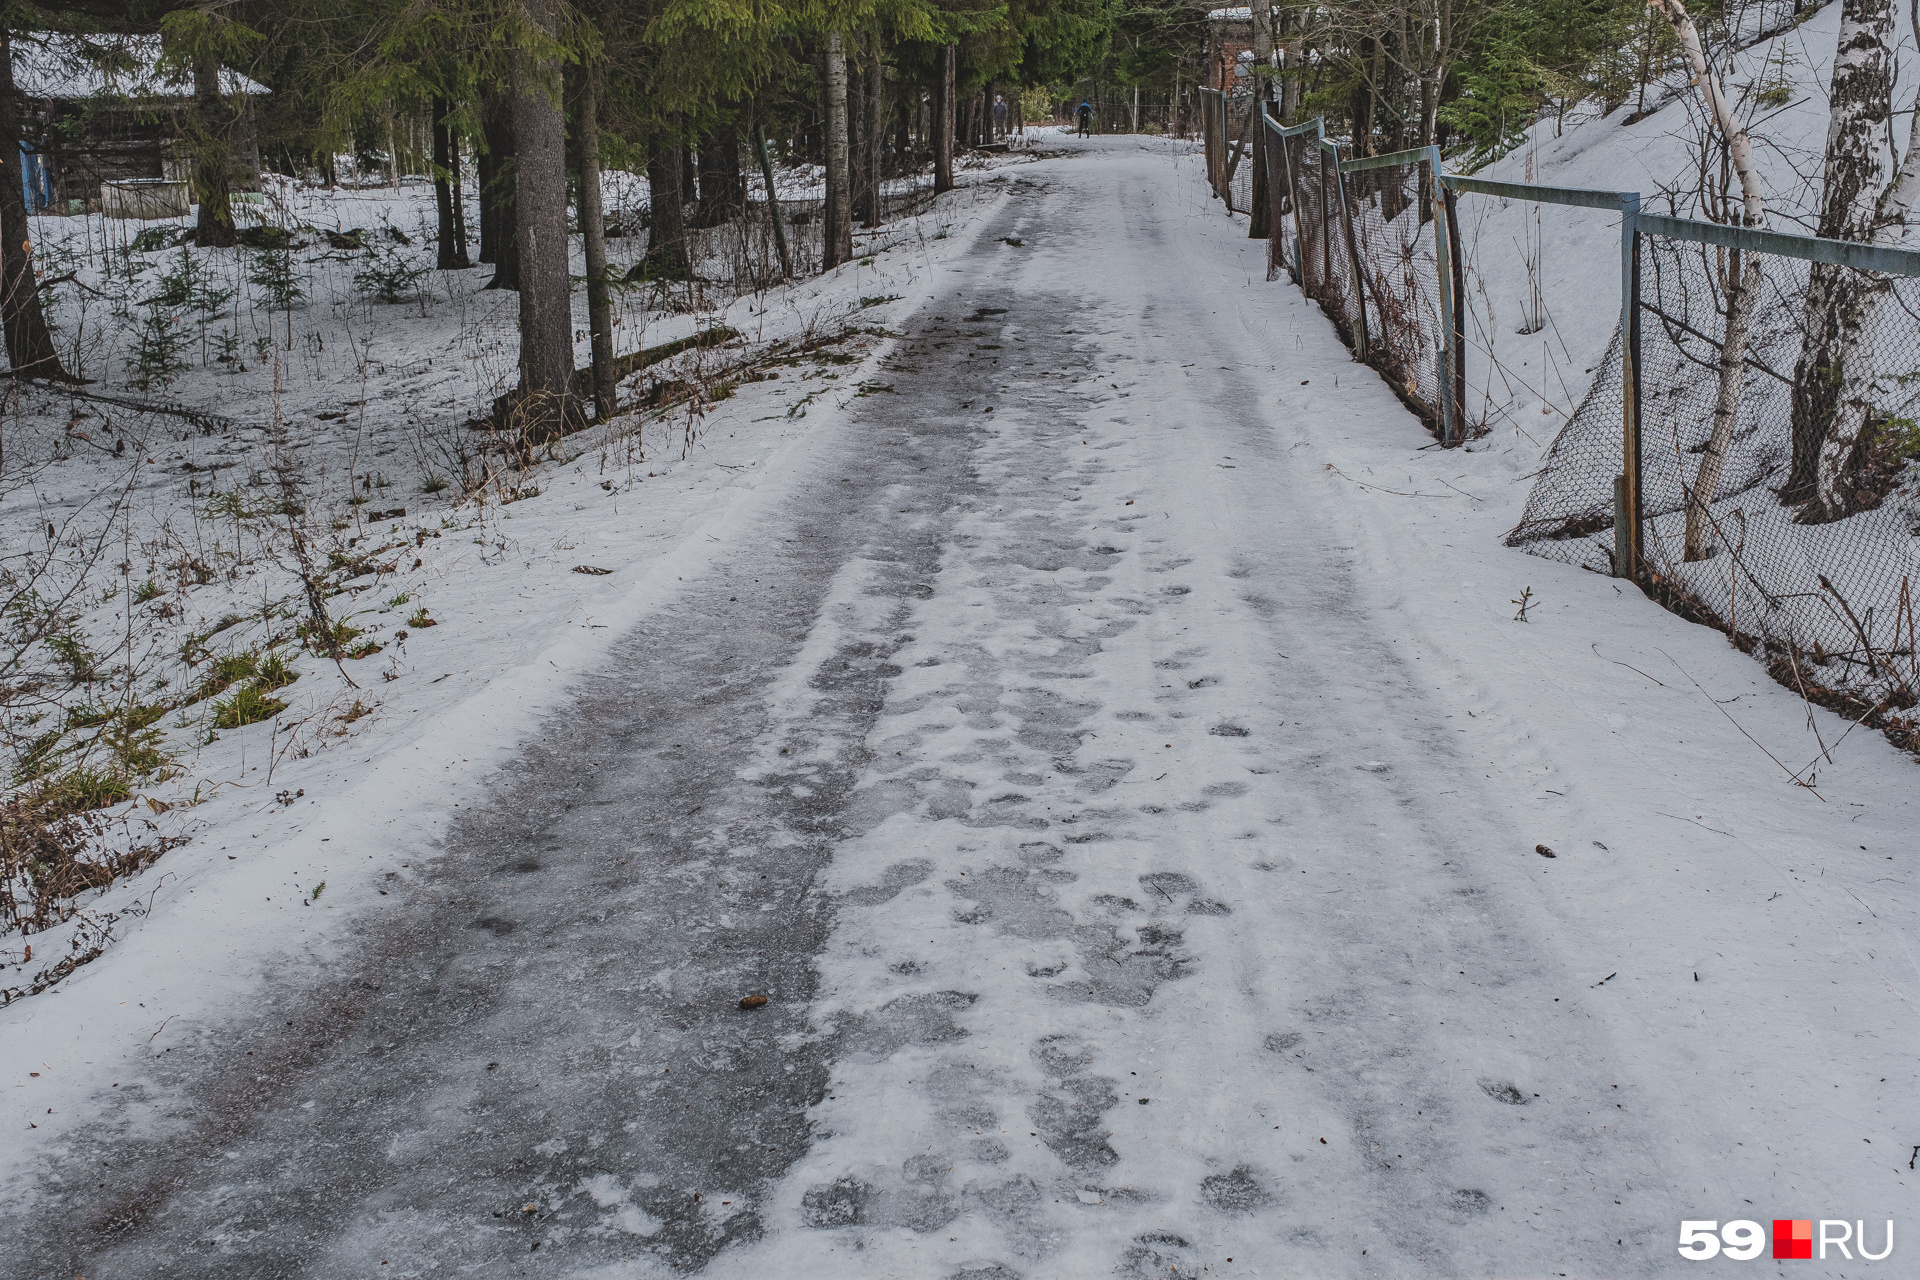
(1124, 899)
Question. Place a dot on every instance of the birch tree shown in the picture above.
(1740, 281)
(1840, 488)
(1859, 136)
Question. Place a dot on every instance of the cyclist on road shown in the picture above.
(1085, 114)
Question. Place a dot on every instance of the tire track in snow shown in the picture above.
(1031, 791)
(1147, 697)
(538, 1063)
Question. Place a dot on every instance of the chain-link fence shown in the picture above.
(1401, 224)
(1775, 499)
(1295, 238)
(1369, 241)
(1227, 123)
(1766, 484)
(1241, 120)
(1213, 128)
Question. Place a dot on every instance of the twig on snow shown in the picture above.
(1794, 777)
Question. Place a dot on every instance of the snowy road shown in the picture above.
(1123, 895)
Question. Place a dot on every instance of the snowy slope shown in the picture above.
(1528, 384)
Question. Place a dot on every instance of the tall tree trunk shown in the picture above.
(497, 192)
(593, 236)
(904, 106)
(1440, 64)
(839, 227)
(876, 132)
(547, 406)
(483, 176)
(1844, 482)
(858, 179)
(666, 257)
(1262, 12)
(943, 123)
(1295, 64)
(733, 178)
(30, 350)
(459, 200)
(1859, 133)
(720, 192)
(212, 156)
(773, 202)
(1742, 286)
(446, 192)
(393, 150)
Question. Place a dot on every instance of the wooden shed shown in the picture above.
(98, 109)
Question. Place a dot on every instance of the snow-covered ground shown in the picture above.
(1150, 780)
(1543, 285)
(159, 540)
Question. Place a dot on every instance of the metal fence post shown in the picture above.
(1226, 186)
(1286, 134)
(1628, 556)
(1443, 253)
(1326, 237)
(1457, 322)
(1211, 140)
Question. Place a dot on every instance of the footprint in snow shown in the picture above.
(1241, 1191)
(1503, 1091)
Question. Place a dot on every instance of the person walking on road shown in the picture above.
(999, 116)
(1085, 114)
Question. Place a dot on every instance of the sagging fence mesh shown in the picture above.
(1321, 229)
(1412, 294)
(1797, 541)
(1366, 243)
(1294, 239)
(1240, 129)
(1779, 503)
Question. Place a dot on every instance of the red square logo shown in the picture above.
(1793, 1237)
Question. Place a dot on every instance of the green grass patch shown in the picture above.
(248, 705)
(274, 673)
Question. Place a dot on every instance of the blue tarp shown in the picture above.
(35, 181)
